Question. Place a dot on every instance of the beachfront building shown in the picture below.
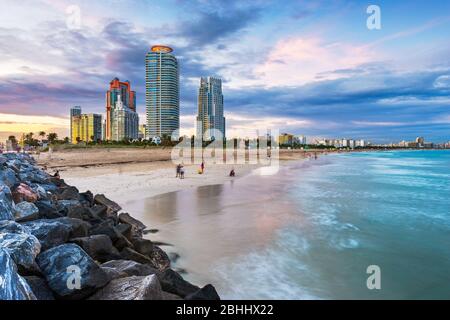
(124, 122)
(210, 109)
(121, 112)
(162, 93)
(286, 139)
(86, 127)
(74, 111)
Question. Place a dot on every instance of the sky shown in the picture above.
(302, 67)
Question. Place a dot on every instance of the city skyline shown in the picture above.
(321, 72)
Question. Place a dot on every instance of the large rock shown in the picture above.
(78, 228)
(50, 232)
(60, 265)
(111, 205)
(172, 282)
(24, 193)
(40, 288)
(22, 247)
(8, 177)
(135, 224)
(9, 226)
(98, 247)
(208, 292)
(107, 228)
(26, 211)
(129, 268)
(6, 203)
(131, 288)
(130, 254)
(143, 246)
(12, 285)
(159, 258)
(47, 210)
(68, 193)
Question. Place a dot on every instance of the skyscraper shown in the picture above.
(86, 127)
(74, 111)
(162, 94)
(210, 108)
(122, 121)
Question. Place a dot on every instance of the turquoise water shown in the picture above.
(311, 231)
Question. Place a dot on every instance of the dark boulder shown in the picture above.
(8, 177)
(78, 228)
(9, 226)
(6, 203)
(98, 247)
(136, 224)
(111, 205)
(107, 228)
(159, 258)
(22, 247)
(40, 288)
(12, 285)
(47, 210)
(131, 288)
(67, 266)
(26, 211)
(143, 246)
(50, 232)
(208, 292)
(172, 282)
(68, 193)
(87, 197)
(130, 254)
(130, 268)
(63, 206)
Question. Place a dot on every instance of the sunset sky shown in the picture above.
(304, 67)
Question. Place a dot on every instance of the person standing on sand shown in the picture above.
(178, 170)
(181, 172)
(202, 166)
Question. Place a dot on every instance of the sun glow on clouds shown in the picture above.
(15, 124)
(298, 60)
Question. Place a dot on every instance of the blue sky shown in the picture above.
(305, 67)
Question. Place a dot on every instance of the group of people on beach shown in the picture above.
(201, 170)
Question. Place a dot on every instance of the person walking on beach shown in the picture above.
(202, 166)
(178, 170)
(181, 172)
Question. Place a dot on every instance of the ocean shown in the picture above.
(312, 230)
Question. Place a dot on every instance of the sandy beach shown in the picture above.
(128, 174)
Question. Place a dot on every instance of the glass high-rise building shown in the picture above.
(210, 109)
(74, 111)
(122, 121)
(162, 94)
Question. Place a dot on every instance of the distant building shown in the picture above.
(74, 111)
(121, 115)
(124, 122)
(162, 93)
(300, 140)
(286, 139)
(210, 109)
(420, 141)
(142, 131)
(86, 127)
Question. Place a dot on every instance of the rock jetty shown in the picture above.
(59, 243)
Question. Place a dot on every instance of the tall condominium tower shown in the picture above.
(162, 94)
(122, 121)
(86, 127)
(210, 108)
(74, 111)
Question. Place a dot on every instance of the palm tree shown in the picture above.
(41, 134)
(52, 137)
(12, 139)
